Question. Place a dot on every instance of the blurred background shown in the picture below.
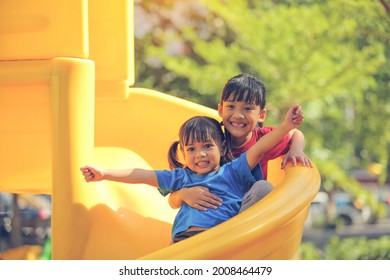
(332, 57)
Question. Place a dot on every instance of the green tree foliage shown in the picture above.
(309, 251)
(332, 57)
(358, 248)
(351, 248)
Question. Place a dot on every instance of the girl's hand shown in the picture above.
(297, 115)
(294, 157)
(92, 174)
(200, 198)
(294, 117)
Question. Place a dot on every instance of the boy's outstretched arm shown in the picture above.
(293, 119)
(295, 153)
(197, 197)
(129, 176)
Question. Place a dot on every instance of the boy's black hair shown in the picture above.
(199, 129)
(245, 88)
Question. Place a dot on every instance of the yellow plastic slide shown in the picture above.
(69, 102)
(271, 229)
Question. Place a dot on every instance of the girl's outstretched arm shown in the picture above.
(293, 119)
(129, 176)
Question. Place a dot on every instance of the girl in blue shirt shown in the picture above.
(208, 162)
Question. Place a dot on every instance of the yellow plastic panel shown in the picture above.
(111, 35)
(43, 29)
(28, 92)
(27, 252)
(275, 173)
(73, 99)
(25, 126)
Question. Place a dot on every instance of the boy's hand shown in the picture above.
(91, 174)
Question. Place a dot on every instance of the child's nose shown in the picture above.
(201, 153)
(238, 114)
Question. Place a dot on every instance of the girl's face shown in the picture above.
(240, 119)
(202, 157)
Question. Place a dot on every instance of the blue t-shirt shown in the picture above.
(230, 183)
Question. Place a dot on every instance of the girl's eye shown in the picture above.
(190, 149)
(207, 146)
(229, 106)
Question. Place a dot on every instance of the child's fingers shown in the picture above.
(296, 109)
(297, 116)
(88, 173)
(298, 119)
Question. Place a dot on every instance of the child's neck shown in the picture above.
(238, 142)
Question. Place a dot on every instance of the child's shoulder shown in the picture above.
(237, 161)
(261, 131)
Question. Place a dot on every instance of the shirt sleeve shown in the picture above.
(170, 180)
(246, 177)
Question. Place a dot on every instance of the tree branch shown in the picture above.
(386, 5)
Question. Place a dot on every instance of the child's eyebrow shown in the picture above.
(247, 103)
(193, 143)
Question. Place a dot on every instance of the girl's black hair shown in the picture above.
(245, 88)
(200, 129)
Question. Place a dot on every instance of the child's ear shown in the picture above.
(262, 115)
(220, 109)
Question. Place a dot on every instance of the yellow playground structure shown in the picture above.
(66, 71)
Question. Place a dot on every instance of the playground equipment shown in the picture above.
(66, 100)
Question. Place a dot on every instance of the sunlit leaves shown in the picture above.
(332, 57)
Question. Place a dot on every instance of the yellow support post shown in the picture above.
(73, 102)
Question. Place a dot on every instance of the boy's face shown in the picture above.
(202, 157)
(240, 118)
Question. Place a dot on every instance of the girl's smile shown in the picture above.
(202, 157)
(237, 125)
(240, 119)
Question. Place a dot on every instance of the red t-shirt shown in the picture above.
(280, 149)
